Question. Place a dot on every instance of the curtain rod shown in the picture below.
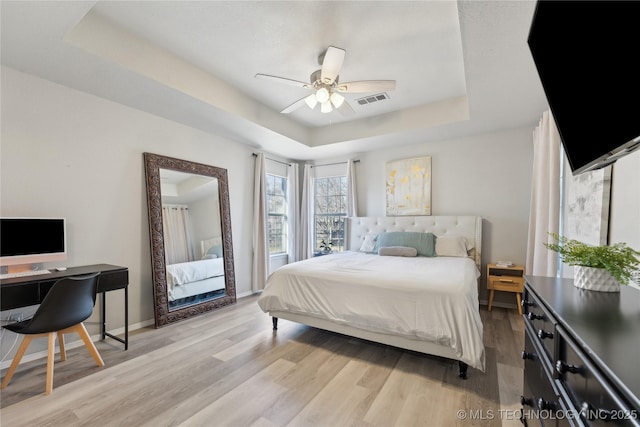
(313, 166)
(273, 160)
(332, 164)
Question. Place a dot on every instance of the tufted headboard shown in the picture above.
(467, 226)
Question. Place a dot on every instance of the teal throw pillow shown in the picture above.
(425, 243)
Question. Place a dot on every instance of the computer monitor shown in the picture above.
(25, 241)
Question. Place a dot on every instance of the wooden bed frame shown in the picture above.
(357, 228)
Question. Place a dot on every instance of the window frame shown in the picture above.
(283, 234)
(339, 218)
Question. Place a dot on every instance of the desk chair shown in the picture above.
(69, 302)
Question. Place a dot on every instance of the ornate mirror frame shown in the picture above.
(153, 164)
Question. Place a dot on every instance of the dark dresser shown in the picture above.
(581, 355)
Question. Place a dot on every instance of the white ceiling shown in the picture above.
(185, 188)
(461, 68)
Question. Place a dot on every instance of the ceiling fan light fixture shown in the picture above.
(311, 101)
(322, 95)
(337, 99)
(326, 86)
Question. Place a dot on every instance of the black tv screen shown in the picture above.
(29, 240)
(587, 54)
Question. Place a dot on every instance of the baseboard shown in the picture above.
(74, 344)
(246, 294)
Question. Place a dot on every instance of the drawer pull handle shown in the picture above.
(562, 367)
(530, 356)
(544, 334)
(506, 280)
(545, 405)
(533, 316)
(589, 412)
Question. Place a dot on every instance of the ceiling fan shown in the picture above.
(326, 86)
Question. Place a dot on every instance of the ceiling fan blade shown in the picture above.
(291, 108)
(284, 80)
(331, 64)
(345, 109)
(367, 86)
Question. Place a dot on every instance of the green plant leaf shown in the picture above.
(619, 259)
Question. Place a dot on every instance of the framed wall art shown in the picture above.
(408, 185)
(587, 210)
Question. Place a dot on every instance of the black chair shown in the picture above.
(67, 304)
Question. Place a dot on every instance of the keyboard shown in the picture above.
(23, 274)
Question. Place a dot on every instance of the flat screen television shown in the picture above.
(32, 240)
(587, 54)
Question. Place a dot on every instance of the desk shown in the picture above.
(23, 291)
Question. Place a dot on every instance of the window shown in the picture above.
(277, 214)
(330, 211)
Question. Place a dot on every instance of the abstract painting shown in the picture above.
(408, 185)
(588, 196)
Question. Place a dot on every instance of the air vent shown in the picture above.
(372, 98)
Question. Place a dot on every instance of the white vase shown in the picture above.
(595, 279)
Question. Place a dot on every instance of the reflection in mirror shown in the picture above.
(192, 238)
(190, 226)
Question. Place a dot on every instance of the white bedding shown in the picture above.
(187, 272)
(198, 287)
(432, 299)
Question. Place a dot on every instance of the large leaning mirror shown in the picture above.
(190, 232)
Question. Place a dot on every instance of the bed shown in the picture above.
(427, 304)
(187, 279)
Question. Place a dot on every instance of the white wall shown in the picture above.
(204, 215)
(487, 175)
(624, 225)
(67, 153)
(624, 222)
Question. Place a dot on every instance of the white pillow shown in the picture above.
(452, 246)
(368, 244)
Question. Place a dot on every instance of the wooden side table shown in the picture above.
(506, 279)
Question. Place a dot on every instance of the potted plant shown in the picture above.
(600, 268)
(326, 247)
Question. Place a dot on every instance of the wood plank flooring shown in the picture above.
(228, 368)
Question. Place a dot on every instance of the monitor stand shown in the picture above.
(19, 268)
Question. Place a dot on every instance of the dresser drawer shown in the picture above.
(540, 321)
(112, 280)
(505, 283)
(510, 279)
(538, 376)
(587, 389)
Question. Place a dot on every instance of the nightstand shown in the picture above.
(506, 279)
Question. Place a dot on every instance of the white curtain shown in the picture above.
(293, 212)
(260, 269)
(305, 249)
(352, 191)
(177, 236)
(544, 217)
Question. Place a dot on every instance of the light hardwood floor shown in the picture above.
(229, 368)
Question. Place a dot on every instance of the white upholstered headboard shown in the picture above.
(207, 244)
(467, 226)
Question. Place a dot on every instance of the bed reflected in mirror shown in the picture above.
(192, 238)
(192, 256)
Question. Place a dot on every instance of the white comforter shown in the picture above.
(433, 299)
(187, 272)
